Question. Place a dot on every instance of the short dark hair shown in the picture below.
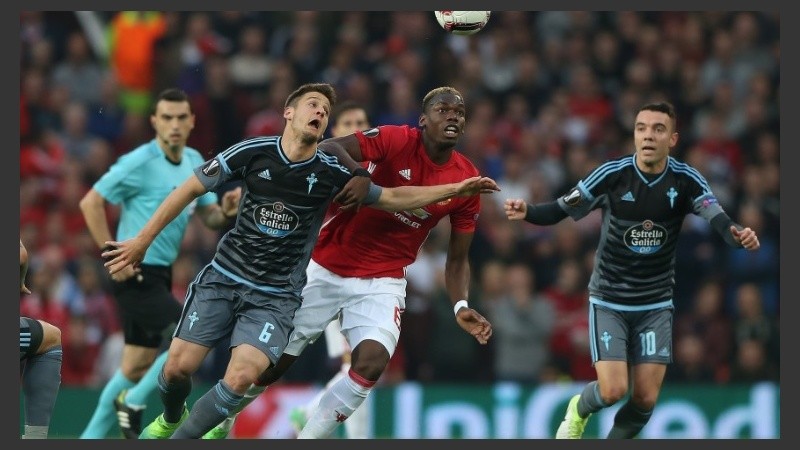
(347, 105)
(170, 95)
(662, 107)
(323, 88)
(436, 91)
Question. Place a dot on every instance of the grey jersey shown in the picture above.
(635, 260)
(280, 214)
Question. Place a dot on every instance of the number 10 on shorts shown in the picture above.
(648, 343)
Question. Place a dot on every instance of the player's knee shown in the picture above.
(644, 401)
(611, 393)
(177, 369)
(51, 337)
(238, 382)
(134, 370)
(240, 377)
(369, 359)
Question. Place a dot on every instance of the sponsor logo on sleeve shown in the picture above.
(372, 132)
(573, 198)
(211, 169)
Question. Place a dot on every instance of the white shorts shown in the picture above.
(370, 309)
(335, 340)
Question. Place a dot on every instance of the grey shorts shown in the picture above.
(633, 334)
(217, 306)
(31, 335)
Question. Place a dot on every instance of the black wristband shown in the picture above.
(528, 213)
(362, 172)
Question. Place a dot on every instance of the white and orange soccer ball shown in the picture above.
(462, 22)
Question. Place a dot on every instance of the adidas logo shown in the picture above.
(664, 352)
(405, 173)
(275, 351)
(628, 197)
(265, 175)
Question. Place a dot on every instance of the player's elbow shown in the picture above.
(91, 201)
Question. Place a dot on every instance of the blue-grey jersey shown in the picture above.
(280, 214)
(635, 259)
(139, 181)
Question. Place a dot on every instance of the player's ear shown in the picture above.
(287, 112)
(422, 120)
(673, 140)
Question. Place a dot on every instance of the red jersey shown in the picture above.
(372, 243)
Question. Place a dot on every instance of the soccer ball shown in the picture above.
(462, 23)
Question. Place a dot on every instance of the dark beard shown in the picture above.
(308, 139)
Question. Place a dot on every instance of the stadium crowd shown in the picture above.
(550, 95)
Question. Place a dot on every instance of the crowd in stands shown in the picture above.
(550, 95)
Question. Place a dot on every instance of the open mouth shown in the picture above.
(451, 131)
(316, 123)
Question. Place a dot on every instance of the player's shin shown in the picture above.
(629, 421)
(336, 405)
(209, 410)
(173, 396)
(591, 401)
(357, 425)
(41, 384)
(223, 428)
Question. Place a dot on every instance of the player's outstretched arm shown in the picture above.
(347, 150)
(411, 197)
(131, 252)
(515, 208)
(539, 214)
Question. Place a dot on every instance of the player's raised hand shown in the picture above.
(476, 185)
(515, 208)
(125, 254)
(475, 324)
(747, 237)
(354, 192)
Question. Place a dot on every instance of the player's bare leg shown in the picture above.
(610, 387)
